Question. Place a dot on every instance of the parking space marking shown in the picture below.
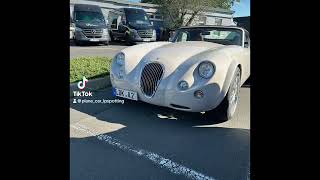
(158, 160)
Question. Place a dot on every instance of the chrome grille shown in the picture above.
(92, 33)
(150, 78)
(145, 33)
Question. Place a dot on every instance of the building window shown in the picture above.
(218, 21)
(202, 20)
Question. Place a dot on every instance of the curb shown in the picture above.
(92, 84)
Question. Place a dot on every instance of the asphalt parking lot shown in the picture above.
(95, 50)
(136, 140)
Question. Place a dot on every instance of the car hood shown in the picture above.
(172, 55)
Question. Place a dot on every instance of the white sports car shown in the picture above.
(201, 69)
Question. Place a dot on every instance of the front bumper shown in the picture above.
(79, 36)
(135, 38)
(168, 95)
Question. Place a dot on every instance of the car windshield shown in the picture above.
(158, 24)
(89, 16)
(225, 36)
(137, 16)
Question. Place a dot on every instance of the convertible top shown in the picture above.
(212, 26)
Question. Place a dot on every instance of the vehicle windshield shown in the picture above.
(89, 16)
(158, 24)
(137, 16)
(225, 36)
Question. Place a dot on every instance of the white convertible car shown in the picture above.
(200, 70)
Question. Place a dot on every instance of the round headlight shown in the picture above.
(120, 59)
(183, 85)
(206, 69)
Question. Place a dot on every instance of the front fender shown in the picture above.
(228, 78)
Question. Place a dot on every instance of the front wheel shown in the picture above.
(78, 43)
(106, 43)
(227, 107)
(127, 40)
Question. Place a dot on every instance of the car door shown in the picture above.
(246, 55)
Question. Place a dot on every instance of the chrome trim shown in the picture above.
(92, 32)
(156, 84)
(145, 33)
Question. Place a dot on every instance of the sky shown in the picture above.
(241, 9)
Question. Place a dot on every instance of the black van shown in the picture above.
(90, 24)
(132, 25)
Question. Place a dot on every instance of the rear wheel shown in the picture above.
(227, 107)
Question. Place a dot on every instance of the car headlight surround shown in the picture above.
(78, 29)
(206, 69)
(120, 59)
(134, 33)
(105, 31)
(154, 33)
(183, 85)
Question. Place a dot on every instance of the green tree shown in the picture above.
(175, 11)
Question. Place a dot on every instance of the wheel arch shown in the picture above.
(230, 73)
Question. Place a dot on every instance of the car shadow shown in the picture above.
(219, 152)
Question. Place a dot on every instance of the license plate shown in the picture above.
(125, 94)
(94, 40)
(146, 40)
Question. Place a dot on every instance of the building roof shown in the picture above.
(128, 3)
(227, 11)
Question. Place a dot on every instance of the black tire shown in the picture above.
(106, 43)
(228, 106)
(78, 43)
(127, 41)
(111, 37)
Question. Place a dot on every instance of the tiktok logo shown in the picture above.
(82, 84)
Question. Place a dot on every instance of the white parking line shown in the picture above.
(173, 167)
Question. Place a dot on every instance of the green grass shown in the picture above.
(90, 67)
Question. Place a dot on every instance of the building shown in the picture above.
(215, 16)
